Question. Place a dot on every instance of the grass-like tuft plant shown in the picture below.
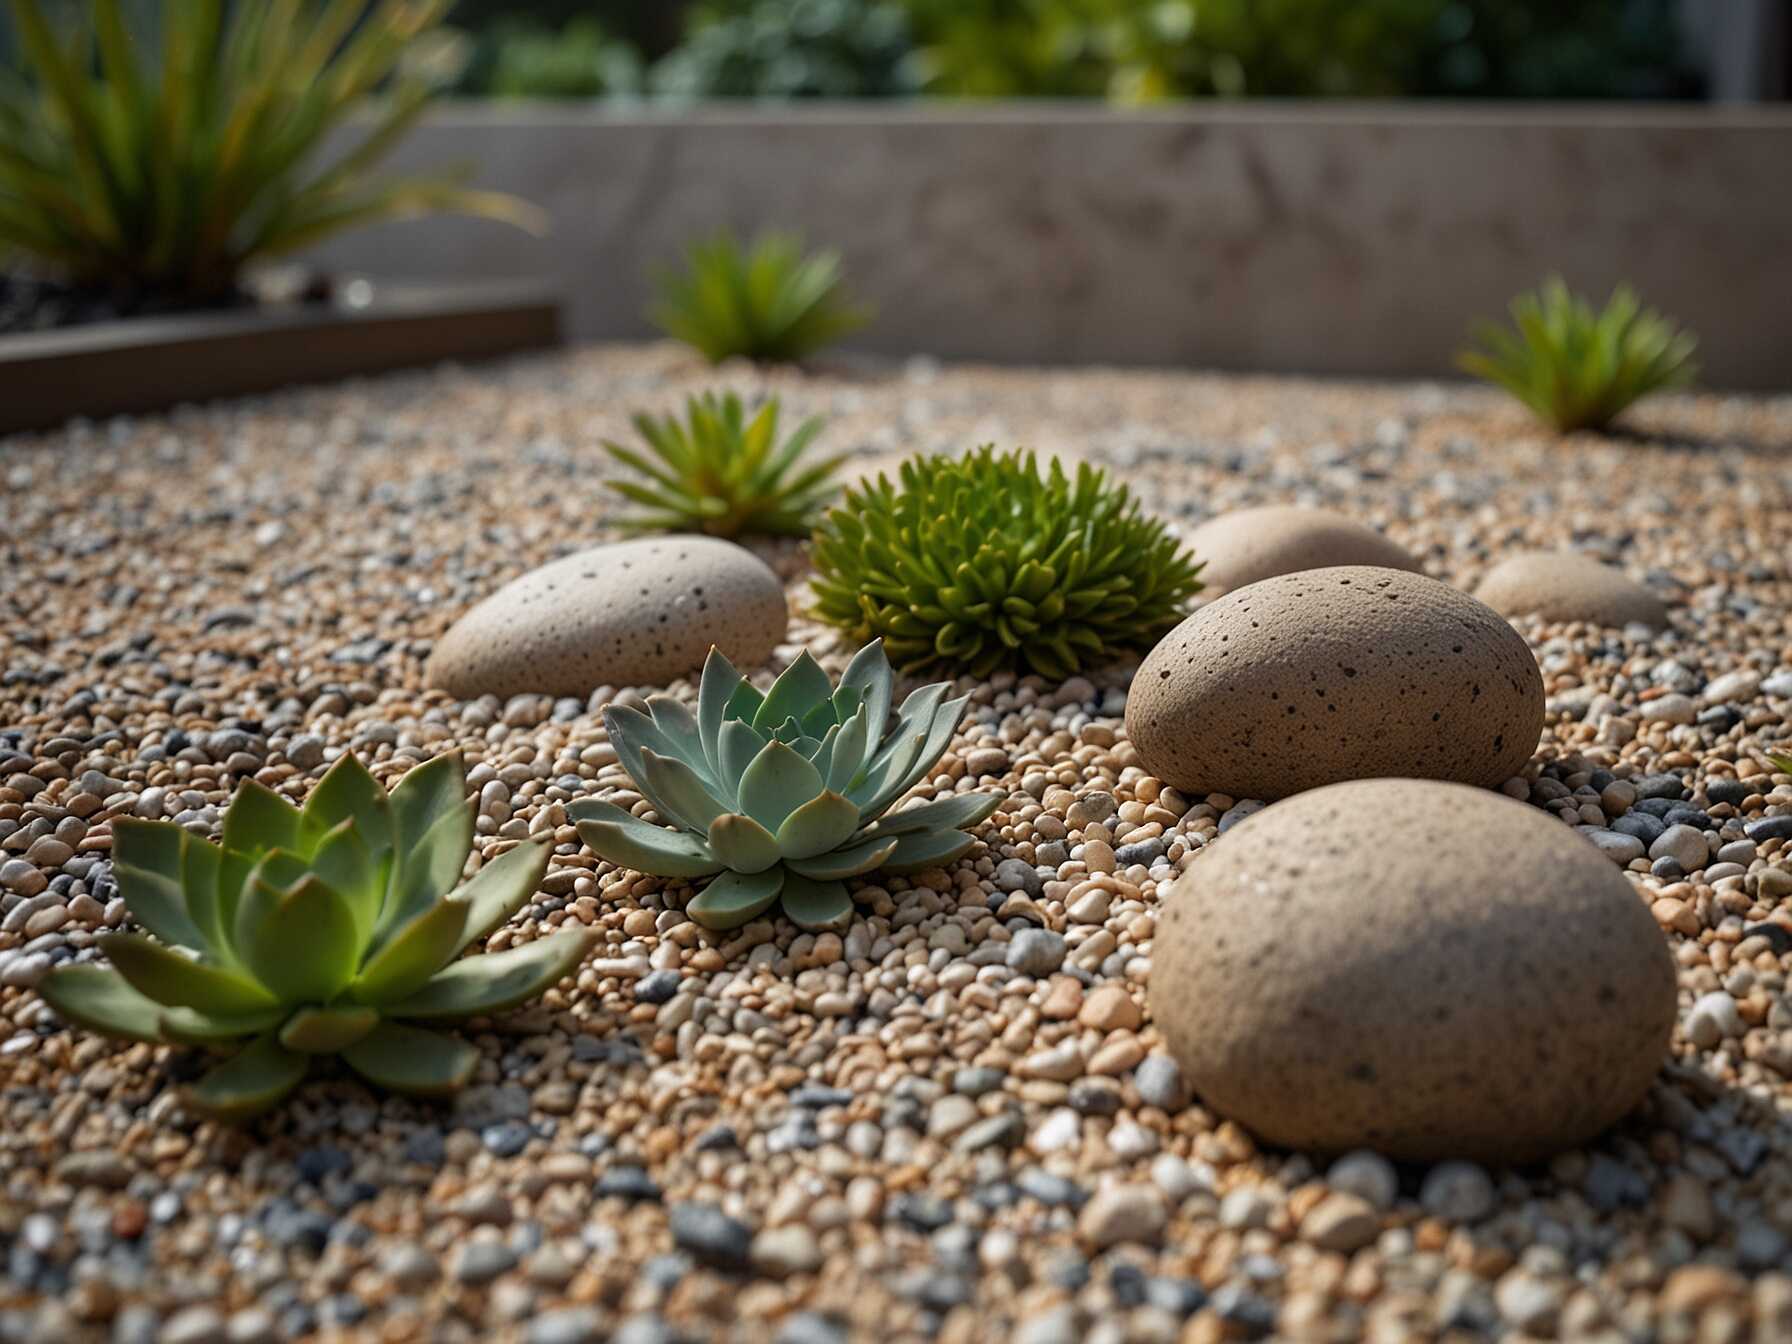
(321, 930)
(978, 563)
(782, 795)
(155, 171)
(767, 301)
(1576, 368)
(718, 472)
(1781, 763)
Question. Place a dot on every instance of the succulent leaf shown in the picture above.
(249, 1082)
(327, 1031)
(102, 1000)
(348, 792)
(846, 768)
(861, 856)
(799, 688)
(735, 898)
(819, 905)
(433, 866)
(927, 849)
(425, 795)
(952, 813)
(148, 846)
(777, 783)
(742, 844)
(412, 1060)
(677, 793)
(737, 745)
(823, 823)
(186, 1026)
(496, 981)
(169, 977)
(629, 842)
(159, 905)
(869, 681)
(299, 941)
(498, 890)
(258, 819)
(765, 301)
(343, 862)
(201, 867)
(958, 563)
(412, 952)
(715, 689)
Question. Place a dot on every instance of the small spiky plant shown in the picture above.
(718, 472)
(311, 931)
(767, 301)
(784, 794)
(979, 563)
(1576, 368)
(1781, 763)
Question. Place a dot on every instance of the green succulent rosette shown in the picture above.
(781, 796)
(329, 929)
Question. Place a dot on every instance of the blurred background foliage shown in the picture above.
(1127, 51)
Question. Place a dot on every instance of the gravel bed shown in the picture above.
(954, 1122)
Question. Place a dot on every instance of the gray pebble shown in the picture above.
(1683, 844)
(568, 1325)
(1036, 952)
(1769, 828)
(1460, 1191)
(1160, 1082)
(479, 1262)
(711, 1236)
(1016, 875)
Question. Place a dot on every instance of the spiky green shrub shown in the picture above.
(720, 473)
(321, 930)
(1576, 368)
(784, 794)
(1781, 763)
(767, 301)
(977, 563)
(155, 171)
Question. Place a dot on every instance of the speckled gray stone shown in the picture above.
(1335, 674)
(1431, 997)
(636, 613)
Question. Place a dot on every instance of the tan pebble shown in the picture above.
(1063, 999)
(1110, 1008)
(1693, 1288)
(1341, 1222)
(1116, 1057)
(1675, 914)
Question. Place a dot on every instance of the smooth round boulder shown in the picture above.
(635, 613)
(1423, 969)
(1333, 674)
(1248, 545)
(1569, 586)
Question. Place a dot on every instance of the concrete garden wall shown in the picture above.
(1334, 238)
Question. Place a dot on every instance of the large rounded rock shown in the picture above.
(1568, 586)
(1248, 545)
(1423, 969)
(1335, 674)
(636, 613)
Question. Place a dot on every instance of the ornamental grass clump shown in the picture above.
(768, 301)
(153, 163)
(321, 930)
(782, 795)
(1577, 368)
(978, 563)
(719, 473)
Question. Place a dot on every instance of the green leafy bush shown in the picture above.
(791, 49)
(767, 301)
(979, 563)
(158, 174)
(720, 473)
(784, 794)
(321, 930)
(1577, 368)
(525, 60)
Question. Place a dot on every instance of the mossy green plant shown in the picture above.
(720, 473)
(780, 796)
(1578, 368)
(769, 300)
(979, 563)
(331, 929)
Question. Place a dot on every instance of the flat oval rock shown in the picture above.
(1569, 586)
(635, 613)
(1248, 545)
(1335, 674)
(1424, 969)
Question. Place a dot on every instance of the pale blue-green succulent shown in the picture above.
(322, 930)
(781, 796)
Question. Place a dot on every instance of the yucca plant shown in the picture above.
(1576, 368)
(720, 473)
(767, 301)
(977, 563)
(156, 171)
(321, 930)
(784, 794)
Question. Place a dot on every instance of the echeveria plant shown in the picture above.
(321, 930)
(784, 794)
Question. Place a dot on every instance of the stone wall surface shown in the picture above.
(1350, 239)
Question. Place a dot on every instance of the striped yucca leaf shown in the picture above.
(159, 159)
